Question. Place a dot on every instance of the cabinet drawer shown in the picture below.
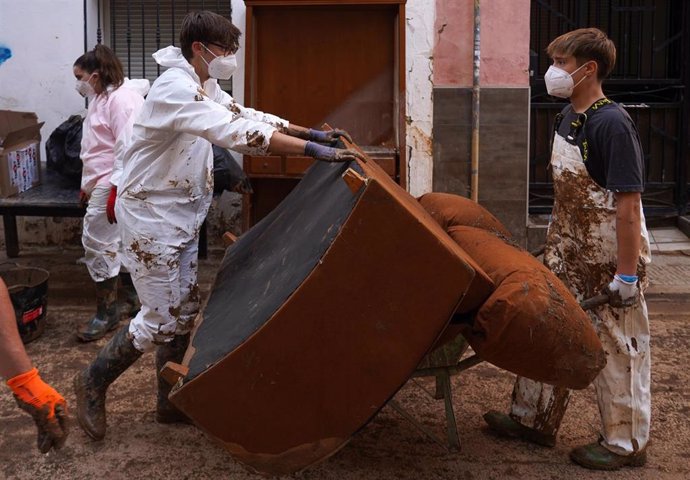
(270, 164)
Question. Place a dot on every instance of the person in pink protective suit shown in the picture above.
(164, 195)
(114, 102)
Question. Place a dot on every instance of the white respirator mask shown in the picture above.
(559, 83)
(84, 88)
(221, 68)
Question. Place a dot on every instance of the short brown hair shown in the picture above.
(104, 60)
(207, 27)
(586, 44)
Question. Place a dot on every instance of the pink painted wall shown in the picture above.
(505, 29)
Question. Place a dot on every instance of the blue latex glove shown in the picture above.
(330, 137)
(330, 154)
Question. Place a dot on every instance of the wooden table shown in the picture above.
(54, 197)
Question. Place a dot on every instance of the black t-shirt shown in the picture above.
(615, 159)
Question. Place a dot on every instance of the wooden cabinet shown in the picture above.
(325, 61)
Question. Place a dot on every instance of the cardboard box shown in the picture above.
(20, 156)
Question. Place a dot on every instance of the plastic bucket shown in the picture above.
(28, 288)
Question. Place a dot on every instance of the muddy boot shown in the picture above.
(107, 312)
(91, 383)
(505, 426)
(172, 351)
(596, 457)
(132, 304)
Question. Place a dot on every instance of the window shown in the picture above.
(137, 28)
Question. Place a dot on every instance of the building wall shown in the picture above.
(38, 77)
(504, 107)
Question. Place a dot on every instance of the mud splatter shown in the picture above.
(146, 258)
(234, 108)
(255, 139)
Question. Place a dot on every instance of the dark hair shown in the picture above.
(586, 44)
(207, 27)
(104, 60)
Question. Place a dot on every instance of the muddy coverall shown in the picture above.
(581, 249)
(166, 189)
(107, 127)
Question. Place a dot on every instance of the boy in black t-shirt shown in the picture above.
(596, 242)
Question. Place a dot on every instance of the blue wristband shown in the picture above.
(627, 278)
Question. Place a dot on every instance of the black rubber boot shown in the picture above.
(107, 312)
(505, 426)
(132, 304)
(172, 351)
(91, 383)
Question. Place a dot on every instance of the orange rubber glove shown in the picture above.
(110, 206)
(45, 405)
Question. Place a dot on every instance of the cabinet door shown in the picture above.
(327, 64)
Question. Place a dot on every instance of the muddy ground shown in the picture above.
(387, 448)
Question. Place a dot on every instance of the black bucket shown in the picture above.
(28, 288)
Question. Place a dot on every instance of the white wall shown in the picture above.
(239, 18)
(419, 50)
(45, 37)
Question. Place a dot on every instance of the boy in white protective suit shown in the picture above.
(114, 103)
(596, 241)
(164, 195)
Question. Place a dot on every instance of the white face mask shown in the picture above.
(84, 87)
(221, 68)
(559, 83)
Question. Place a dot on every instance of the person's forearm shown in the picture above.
(628, 228)
(13, 357)
(297, 131)
(282, 144)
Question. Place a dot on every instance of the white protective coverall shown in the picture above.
(107, 127)
(581, 249)
(167, 186)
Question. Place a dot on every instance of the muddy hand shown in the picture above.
(329, 137)
(52, 430)
(330, 154)
(45, 405)
(623, 291)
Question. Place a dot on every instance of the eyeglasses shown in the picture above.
(226, 50)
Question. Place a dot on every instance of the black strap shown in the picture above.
(579, 123)
(556, 124)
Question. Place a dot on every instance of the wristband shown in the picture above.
(627, 278)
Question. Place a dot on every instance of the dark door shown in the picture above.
(651, 80)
